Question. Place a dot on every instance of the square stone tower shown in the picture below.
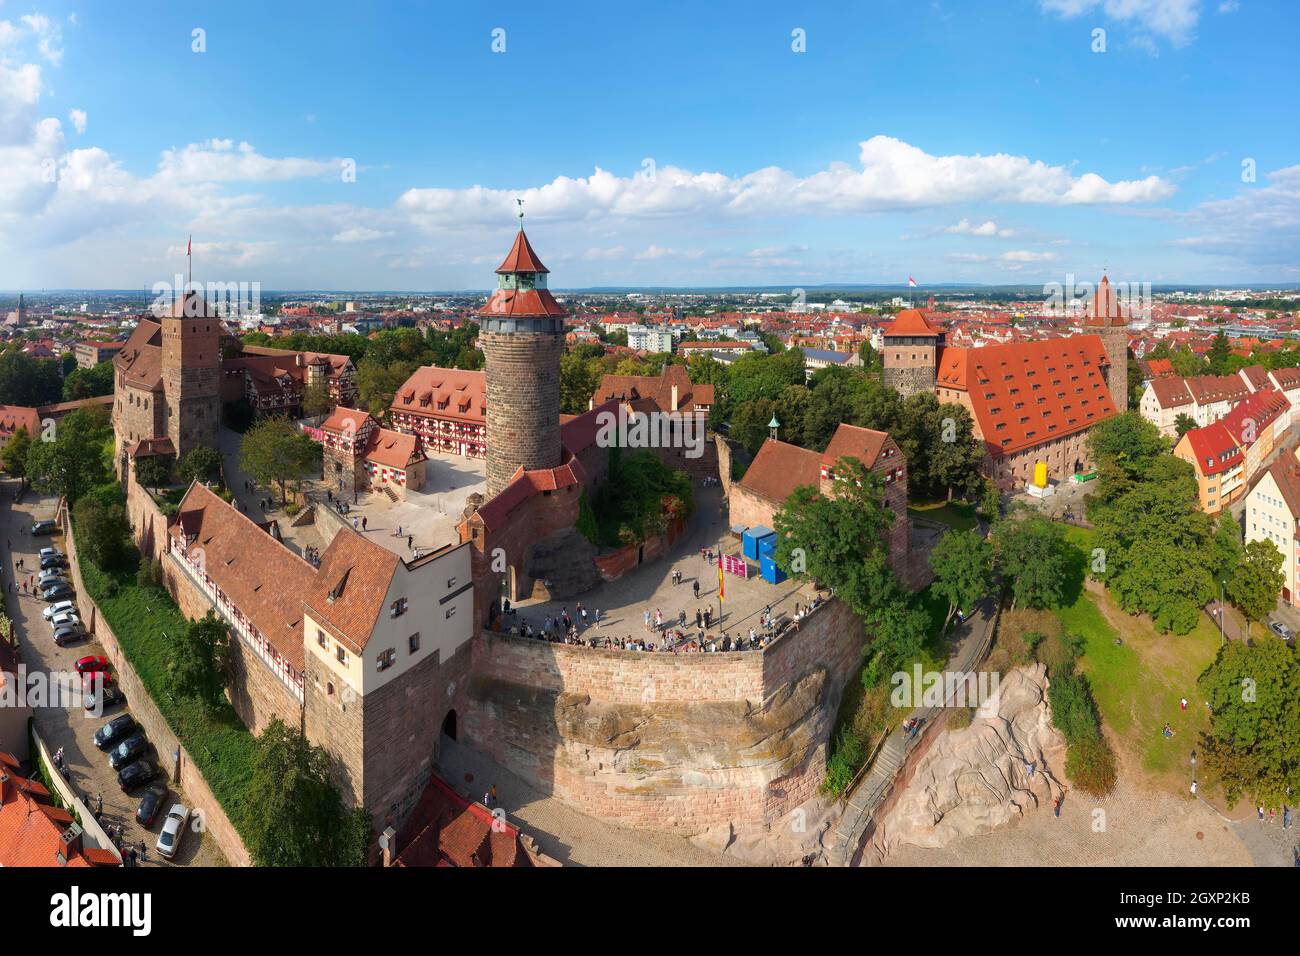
(911, 352)
(521, 332)
(191, 373)
(1108, 319)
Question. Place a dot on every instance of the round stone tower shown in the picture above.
(521, 332)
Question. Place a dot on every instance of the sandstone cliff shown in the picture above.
(975, 779)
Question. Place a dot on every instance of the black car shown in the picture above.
(58, 592)
(114, 731)
(135, 775)
(44, 527)
(154, 799)
(53, 562)
(112, 697)
(129, 749)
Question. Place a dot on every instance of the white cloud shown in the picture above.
(1175, 20)
(78, 120)
(360, 234)
(891, 175)
(1025, 255)
(219, 160)
(48, 36)
(988, 228)
(1258, 227)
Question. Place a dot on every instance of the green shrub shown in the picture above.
(960, 718)
(844, 763)
(1090, 765)
(1073, 710)
(1059, 654)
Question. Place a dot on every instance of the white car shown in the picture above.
(57, 608)
(173, 828)
(65, 619)
(50, 553)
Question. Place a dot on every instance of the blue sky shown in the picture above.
(665, 143)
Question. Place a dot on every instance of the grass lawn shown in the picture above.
(1138, 683)
(955, 514)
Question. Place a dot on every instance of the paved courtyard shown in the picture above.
(623, 603)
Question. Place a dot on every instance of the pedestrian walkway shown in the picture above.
(974, 638)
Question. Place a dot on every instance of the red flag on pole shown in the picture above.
(188, 243)
(721, 589)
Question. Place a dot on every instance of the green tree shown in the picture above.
(200, 464)
(1160, 551)
(1184, 423)
(14, 454)
(1257, 580)
(72, 463)
(153, 471)
(840, 541)
(275, 453)
(1253, 746)
(199, 663)
(27, 381)
(316, 400)
(378, 382)
(963, 570)
(1216, 359)
(103, 532)
(1033, 555)
(1124, 447)
(84, 383)
(300, 818)
(749, 423)
(580, 376)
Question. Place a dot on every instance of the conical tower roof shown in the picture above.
(522, 258)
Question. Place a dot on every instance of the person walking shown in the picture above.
(696, 588)
(1056, 807)
(1183, 703)
(1260, 812)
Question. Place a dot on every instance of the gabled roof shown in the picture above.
(1286, 474)
(1252, 415)
(1026, 393)
(392, 449)
(850, 441)
(348, 591)
(140, 359)
(14, 417)
(779, 468)
(1171, 392)
(656, 389)
(1214, 449)
(263, 578)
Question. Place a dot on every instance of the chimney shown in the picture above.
(674, 408)
(69, 843)
(387, 839)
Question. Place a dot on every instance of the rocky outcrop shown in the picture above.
(976, 779)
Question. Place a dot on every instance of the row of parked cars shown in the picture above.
(132, 756)
(129, 750)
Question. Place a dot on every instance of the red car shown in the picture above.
(92, 664)
(89, 678)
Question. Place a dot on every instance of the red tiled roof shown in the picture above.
(1286, 472)
(445, 829)
(525, 484)
(1213, 448)
(1105, 308)
(1207, 389)
(522, 303)
(779, 468)
(1253, 414)
(1171, 392)
(850, 441)
(658, 389)
(912, 322)
(31, 829)
(348, 591)
(392, 449)
(14, 417)
(1026, 393)
(521, 257)
(140, 359)
(465, 393)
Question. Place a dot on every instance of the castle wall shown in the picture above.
(663, 741)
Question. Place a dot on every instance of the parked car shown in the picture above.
(130, 749)
(53, 564)
(112, 697)
(59, 607)
(173, 828)
(50, 553)
(68, 633)
(50, 578)
(114, 731)
(1280, 629)
(58, 592)
(47, 526)
(92, 678)
(65, 618)
(135, 775)
(92, 663)
(150, 803)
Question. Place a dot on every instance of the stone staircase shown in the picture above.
(392, 495)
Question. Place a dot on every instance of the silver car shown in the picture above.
(173, 829)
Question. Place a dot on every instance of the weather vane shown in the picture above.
(521, 212)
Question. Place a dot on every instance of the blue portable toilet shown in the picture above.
(768, 569)
(752, 538)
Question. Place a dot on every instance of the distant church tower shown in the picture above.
(191, 373)
(521, 332)
(911, 352)
(1109, 320)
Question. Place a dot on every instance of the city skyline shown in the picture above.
(865, 159)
